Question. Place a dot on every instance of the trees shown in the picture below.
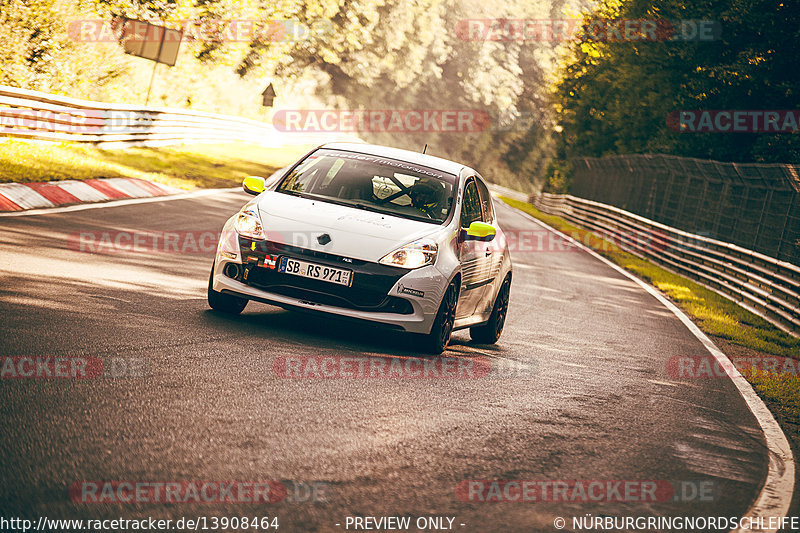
(346, 54)
(614, 97)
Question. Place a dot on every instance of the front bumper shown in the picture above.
(390, 296)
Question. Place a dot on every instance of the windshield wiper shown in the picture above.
(292, 192)
(395, 214)
(366, 207)
(359, 205)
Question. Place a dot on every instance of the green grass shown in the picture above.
(716, 315)
(184, 166)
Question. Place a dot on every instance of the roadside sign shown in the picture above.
(146, 40)
(268, 96)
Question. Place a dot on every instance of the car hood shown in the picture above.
(353, 232)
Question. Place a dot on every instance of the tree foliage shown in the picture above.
(614, 97)
(349, 54)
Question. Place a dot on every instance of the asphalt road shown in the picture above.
(590, 398)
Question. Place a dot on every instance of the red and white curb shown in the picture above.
(23, 196)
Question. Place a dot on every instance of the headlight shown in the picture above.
(414, 255)
(248, 223)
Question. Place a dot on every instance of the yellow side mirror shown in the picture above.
(253, 184)
(481, 231)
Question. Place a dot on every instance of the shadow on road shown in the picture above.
(313, 330)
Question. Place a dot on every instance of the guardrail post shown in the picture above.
(785, 226)
(723, 197)
(741, 207)
(681, 202)
(697, 211)
(764, 204)
(667, 192)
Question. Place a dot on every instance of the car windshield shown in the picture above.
(373, 183)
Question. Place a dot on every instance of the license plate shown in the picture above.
(314, 271)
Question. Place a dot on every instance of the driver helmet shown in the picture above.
(425, 194)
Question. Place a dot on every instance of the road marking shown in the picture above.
(117, 203)
(129, 187)
(106, 189)
(776, 494)
(31, 196)
(576, 365)
(8, 205)
(24, 196)
(83, 191)
(666, 383)
(54, 192)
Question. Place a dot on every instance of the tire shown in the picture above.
(437, 340)
(225, 303)
(490, 332)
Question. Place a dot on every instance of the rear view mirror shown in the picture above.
(253, 184)
(480, 231)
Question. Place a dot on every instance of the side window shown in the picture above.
(471, 208)
(486, 202)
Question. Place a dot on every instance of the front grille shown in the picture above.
(368, 291)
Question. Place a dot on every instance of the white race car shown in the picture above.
(394, 237)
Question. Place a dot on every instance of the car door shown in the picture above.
(471, 253)
(492, 257)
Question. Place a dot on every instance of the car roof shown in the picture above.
(430, 161)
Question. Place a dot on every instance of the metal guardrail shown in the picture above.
(499, 190)
(41, 116)
(761, 284)
(754, 205)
